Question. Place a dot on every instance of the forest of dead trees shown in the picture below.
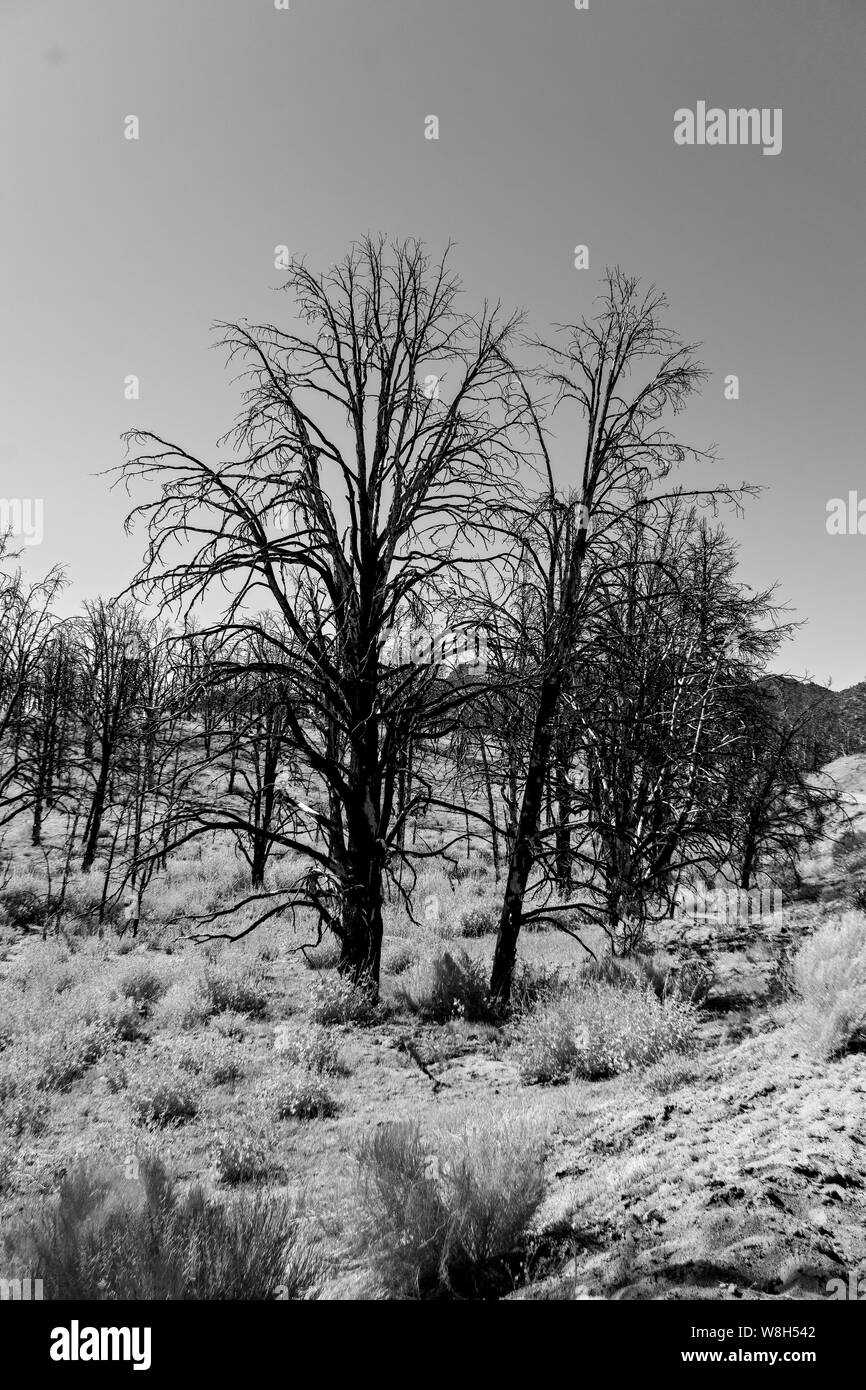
(618, 732)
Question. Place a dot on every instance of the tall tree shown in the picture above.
(373, 435)
(625, 371)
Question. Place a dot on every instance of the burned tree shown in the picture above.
(625, 371)
(372, 435)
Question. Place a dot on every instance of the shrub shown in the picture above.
(479, 921)
(143, 984)
(830, 977)
(106, 1238)
(125, 1019)
(115, 1076)
(240, 991)
(215, 1059)
(443, 1215)
(601, 1030)
(184, 1006)
(610, 970)
(313, 1049)
(445, 987)
(242, 1157)
(303, 1095)
(689, 981)
(22, 1109)
(399, 959)
(66, 1052)
(548, 1051)
(340, 1000)
(24, 906)
(533, 985)
(172, 1100)
(231, 1025)
(850, 842)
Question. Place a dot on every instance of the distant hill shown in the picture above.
(839, 716)
(852, 707)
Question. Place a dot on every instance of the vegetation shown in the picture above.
(108, 1238)
(446, 1214)
(402, 822)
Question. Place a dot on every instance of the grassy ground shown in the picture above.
(733, 1170)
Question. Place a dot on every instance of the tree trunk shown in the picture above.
(95, 819)
(563, 832)
(524, 851)
(361, 945)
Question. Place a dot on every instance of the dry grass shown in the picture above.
(110, 1238)
(830, 977)
(444, 1212)
(601, 1030)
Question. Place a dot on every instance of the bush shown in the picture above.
(533, 985)
(240, 991)
(22, 1109)
(66, 1052)
(107, 1238)
(444, 1215)
(850, 842)
(125, 1019)
(231, 1025)
(830, 977)
(314, 1049)
(143, 984)
(689, 981)
(172, 1100)
(399, 959)
(446, 987)
(184, 1006)
(601, 1030)
(479, 921)
(303, 1095)
(611, 970)
(24, 906)
(214, 1059)
(342, 1001)
(242, 1157)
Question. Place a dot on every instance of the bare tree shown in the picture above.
(625, 371)
(361, 468)
(26, 628)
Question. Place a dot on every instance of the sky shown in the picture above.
(305, 127)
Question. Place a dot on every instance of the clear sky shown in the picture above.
(305, 127)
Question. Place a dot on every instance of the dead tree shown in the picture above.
(374, 435)
(625, 371)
